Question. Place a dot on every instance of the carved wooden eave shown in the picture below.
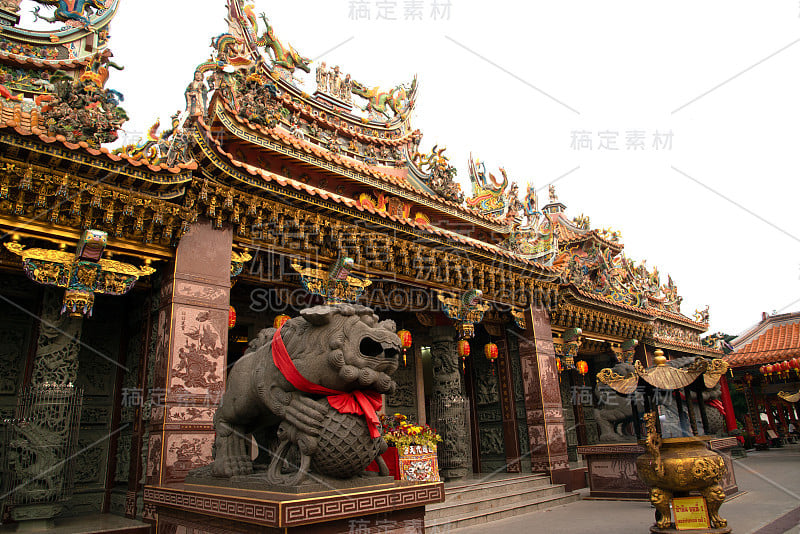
(53, 192)
(680, 319)
(609, 322)
(226, 176)
(256, 137)
(677, 346)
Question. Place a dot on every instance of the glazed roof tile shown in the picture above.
(679, 317)
(605, 300)
(686, 344)
(779, 342)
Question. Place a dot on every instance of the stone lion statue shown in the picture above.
(312, 387)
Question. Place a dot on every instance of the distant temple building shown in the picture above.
(134, 278)
(766, 363)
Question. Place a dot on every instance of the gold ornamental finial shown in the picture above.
(659, 358)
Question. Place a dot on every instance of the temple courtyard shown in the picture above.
(768, 503)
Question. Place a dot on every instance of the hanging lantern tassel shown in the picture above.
(405, 342)
(491, 352)
(463, 351)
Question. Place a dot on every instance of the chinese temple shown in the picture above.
(766, 368)
(134, 277)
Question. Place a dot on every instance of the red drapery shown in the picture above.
(365, 403)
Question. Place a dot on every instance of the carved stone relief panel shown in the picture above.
(185, 452)
(58, 344)
(198, 367)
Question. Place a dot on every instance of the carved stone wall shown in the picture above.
(17, 328)
(569, 395)
(513, 337)
(487, 408)
(98, 358)
(404, 399)
(59, 343)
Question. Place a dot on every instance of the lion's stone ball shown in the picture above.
(345, 446)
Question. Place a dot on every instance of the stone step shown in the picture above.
(504, 511)
(494, 488)
(497, 484)
(478, 503)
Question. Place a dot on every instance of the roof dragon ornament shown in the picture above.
(66, 10)
(488, 195)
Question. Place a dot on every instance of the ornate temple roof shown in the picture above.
(775, 338)
(252, 130)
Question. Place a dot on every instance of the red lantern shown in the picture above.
(491, 351)
(582, 367)
(463, 351)
(762, 369)
(769, 368)
(279, 321)
(231, 317)
(559, 365)
(405, 342)
(463, 348)
(794, 363)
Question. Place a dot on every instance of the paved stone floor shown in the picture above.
(769, 503)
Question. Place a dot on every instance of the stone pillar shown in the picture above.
(543, 397)
(191, 354)
(448, 401)
(419, 382)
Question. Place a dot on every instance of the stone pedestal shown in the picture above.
(613, 475)
(612, 471)
(400, 507)
(191, 353)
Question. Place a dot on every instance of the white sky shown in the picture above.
(485, 74)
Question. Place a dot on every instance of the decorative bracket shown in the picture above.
(337, 284)
(465, 310)
(81, 274)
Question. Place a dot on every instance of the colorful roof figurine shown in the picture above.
(775, 338)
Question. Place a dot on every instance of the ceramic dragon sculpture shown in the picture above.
(283, 56)
(398, 100)
(66, 10)
(488, 195)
